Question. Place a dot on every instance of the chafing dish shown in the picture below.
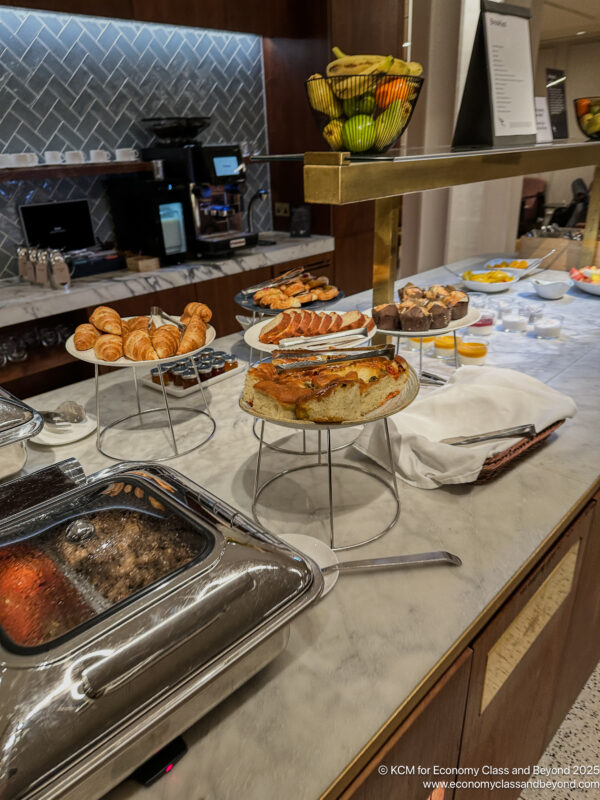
(134, 602)
(18, 423)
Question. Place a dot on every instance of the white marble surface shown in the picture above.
(357, 655)
(20, 302)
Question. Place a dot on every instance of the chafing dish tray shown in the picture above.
(133, 601)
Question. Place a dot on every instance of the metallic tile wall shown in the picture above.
(81, 83)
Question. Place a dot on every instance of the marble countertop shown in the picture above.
(20, 302)
(377, 640)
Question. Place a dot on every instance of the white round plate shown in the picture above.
(472, 316)
(590, 288)
(408, 393)
(251, 338)
(489, 288)
(51, 437)
(322, 555)
(90, 356)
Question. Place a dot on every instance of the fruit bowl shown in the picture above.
(365, 113)
(587, 111)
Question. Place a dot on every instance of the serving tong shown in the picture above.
(274, 282)
(156, 311)
(324, 338)
(389, 562)
(325, 358)
(527, 431)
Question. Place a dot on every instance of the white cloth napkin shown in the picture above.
(475, 400)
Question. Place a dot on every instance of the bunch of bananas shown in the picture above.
(364, 113)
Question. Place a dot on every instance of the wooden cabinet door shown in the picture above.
(319, 265)
(582, 647)
(429, 736)
(516, 663)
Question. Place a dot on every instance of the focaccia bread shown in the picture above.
(331, 393)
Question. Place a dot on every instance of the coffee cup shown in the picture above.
(74, 157)
(97, 156)
(7, 160)
(53, 157)
(127, 154)
(25, 159)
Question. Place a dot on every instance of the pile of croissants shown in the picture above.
(138, 338)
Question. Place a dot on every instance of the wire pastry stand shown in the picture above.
(325, 460)
(169, 412)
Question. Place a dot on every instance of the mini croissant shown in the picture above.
(137, 346)
(194, 336)
(165, 340)
(106, 319)
(194, 309)
(137, 324)
(108, 347)
(85, 336)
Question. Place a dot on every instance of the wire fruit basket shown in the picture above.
(363, 113)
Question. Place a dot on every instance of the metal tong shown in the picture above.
(504, 433)
(273, 282)
(327, 357)
(324, 338)
(155, 311)
(389, 562)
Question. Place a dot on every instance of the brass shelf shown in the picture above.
(337, 179)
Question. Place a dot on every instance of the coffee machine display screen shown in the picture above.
(173, 228)
(225, 166)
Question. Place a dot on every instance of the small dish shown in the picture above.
(488, 288)
(51, 437)
(320, 553)
(550, 290)
(548, 327)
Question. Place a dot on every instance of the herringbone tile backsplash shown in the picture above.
(82, 83)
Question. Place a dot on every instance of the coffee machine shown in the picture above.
(192, 206)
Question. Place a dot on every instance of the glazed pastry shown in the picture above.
(284, 302)
(85, 336)
(108, 347)
(326, 292)
(107, 320)
(440, 313)
(192, 309)
(386, 317)
(194, 336)
(264, 296)
(414, 317)
(293, 288)
(165, 340)
(306, 297)
(137, 346)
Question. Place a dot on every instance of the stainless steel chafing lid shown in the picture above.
(17, 420)
(121, 632)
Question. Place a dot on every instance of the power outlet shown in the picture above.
(282, 209)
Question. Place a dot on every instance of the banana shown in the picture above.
(399, 67)
(414, 68)
(356, 65)
(338, 53)
(332, 133)
(358, 83)
(321, 98)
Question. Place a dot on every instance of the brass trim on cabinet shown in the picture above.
(507, 652)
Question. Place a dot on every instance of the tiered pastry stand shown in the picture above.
(472, 316)
(142, 414)
(393, 406)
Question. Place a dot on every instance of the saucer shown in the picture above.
(52, 438)
(320, 553)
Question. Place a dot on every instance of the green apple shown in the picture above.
(359, 105)
(359, 133)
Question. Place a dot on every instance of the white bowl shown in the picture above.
(550, 290)
(489, 288)
(590, 288)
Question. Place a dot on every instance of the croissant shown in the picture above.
(85, 336)
(137, 346)
(106, 319)
(194, 336)
(108, 347)
(193, 309)
(165, 340)
(137, 324)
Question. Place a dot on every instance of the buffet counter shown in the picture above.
(378, 642)
(20, 302)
